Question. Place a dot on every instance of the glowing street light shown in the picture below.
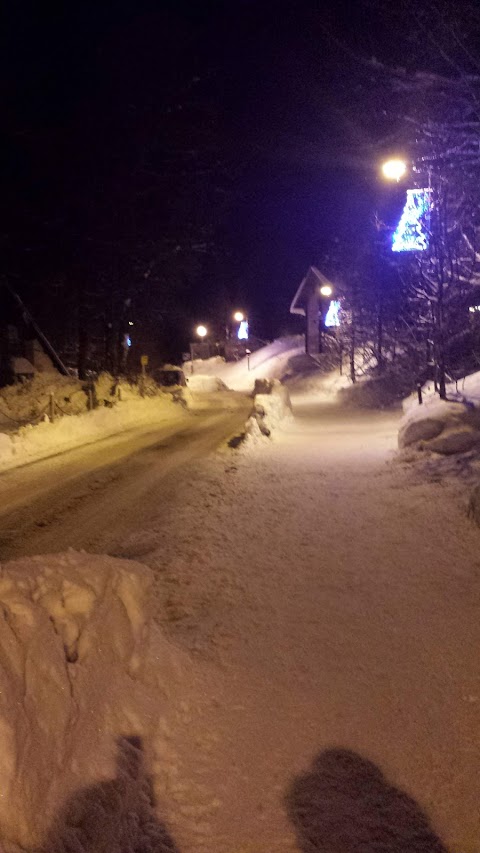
(201, 331)
(326, 290)
(394, 169)
(238, 316)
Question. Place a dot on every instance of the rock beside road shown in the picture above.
(442, 426)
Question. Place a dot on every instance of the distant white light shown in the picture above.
(332, 317)
(201, 331)
(130, 323)
(129, 341)
(238, 316)
(326, 290)
(474, 309)
(242, 333)
(394, 169)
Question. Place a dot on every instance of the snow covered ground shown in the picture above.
(302, 632)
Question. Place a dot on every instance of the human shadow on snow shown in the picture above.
(344, 804)
(116, 816)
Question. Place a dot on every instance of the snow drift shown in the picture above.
(38, 441)
(75, 676)
(270, 408)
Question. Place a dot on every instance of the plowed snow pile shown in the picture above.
(45, 438)
(81, 672)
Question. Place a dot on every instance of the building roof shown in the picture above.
(313, 279)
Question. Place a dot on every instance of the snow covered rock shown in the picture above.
(455, 440)
(74, 641)
(442, 426)
(414, 431)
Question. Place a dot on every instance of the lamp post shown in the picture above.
(202, 332)
(424, 227)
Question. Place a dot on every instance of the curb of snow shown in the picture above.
(271, 407)
(32, 443)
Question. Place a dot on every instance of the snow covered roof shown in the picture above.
(314, 278)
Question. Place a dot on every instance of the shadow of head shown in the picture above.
(117, 814)
(344, 804)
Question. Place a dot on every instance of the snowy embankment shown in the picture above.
(444, 426)
(120, 408)
(33, 442)
(82, 679)
(269, 362)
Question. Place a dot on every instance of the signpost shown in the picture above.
(144, 363)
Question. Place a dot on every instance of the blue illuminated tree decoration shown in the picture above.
(411, 234)
(332, 317)
(242, 333)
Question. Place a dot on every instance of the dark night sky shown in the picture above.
(98, 97)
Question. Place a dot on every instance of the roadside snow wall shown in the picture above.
(44, 439)
(74, 680)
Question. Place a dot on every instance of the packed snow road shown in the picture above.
(92, 496)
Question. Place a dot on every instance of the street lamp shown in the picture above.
(394, 169)
(238, 316)
(202, 332)
(326, 290)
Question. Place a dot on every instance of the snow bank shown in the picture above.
(26, 401)
(466, 390)
(74, 657)
(44, 439)
(271, 362)
(206, 384)
(442, 426)
(270, 409)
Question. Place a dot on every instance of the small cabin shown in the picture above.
(310, 301)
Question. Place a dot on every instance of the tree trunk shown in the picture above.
(353, 375)
(380, 336)
(82, 333)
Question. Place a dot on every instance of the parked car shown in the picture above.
(169, 375)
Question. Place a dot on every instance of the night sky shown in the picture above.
(190, 158)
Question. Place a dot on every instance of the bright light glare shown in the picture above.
(238, 316)
(201, 331)
(326, 290)
(394, 169)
